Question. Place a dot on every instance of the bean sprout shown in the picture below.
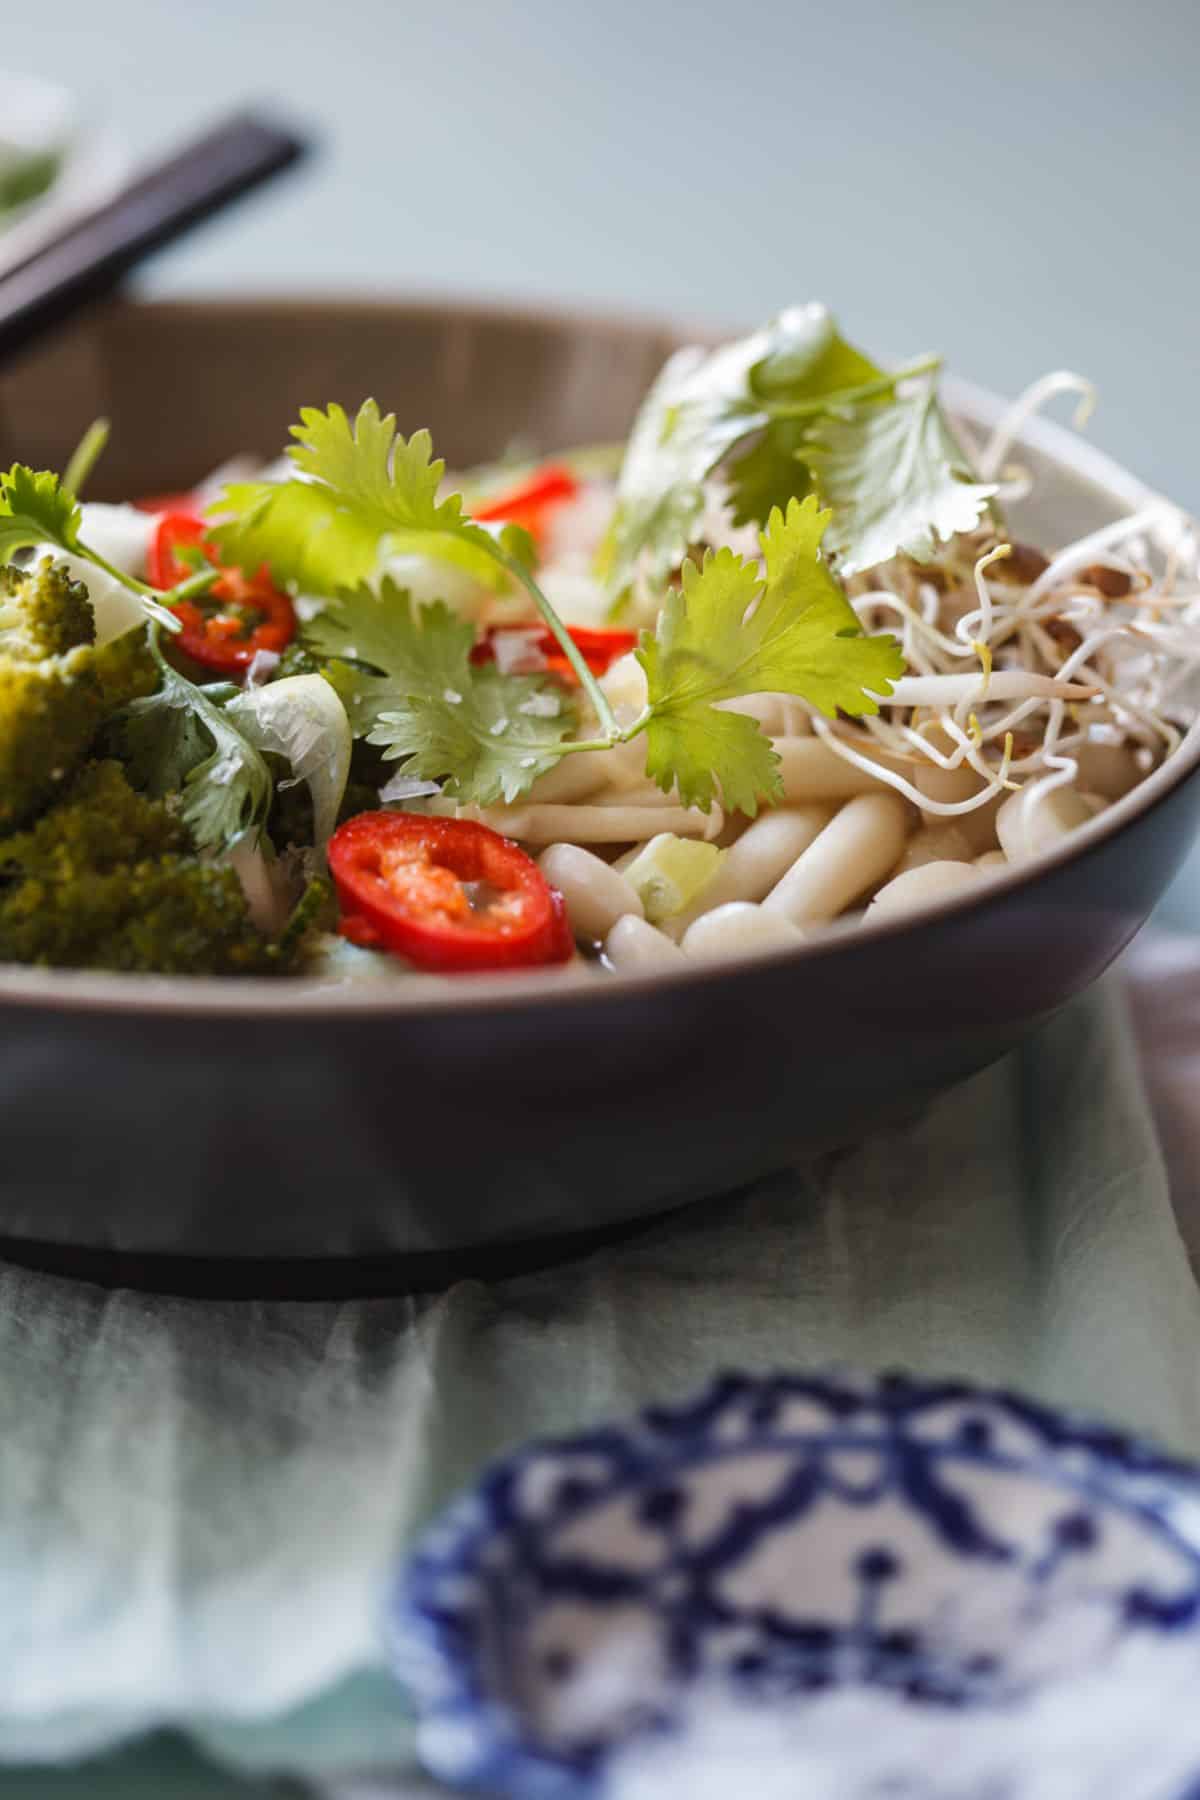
(945, 809)
(1023, 408)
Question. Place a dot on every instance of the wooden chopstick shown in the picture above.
(89, 258)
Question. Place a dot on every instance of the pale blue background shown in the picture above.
(1013, 184)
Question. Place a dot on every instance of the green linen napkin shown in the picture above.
(200, 1502)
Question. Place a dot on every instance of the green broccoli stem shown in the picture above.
(587, 681)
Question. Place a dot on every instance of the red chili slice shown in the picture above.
(529, 504)
(240, 614)
(181, 502)
(599, 647)
(446, 894)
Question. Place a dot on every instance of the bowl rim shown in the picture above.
(88, 991)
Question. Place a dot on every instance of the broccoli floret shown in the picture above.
(125, 670)
(49, 714)
(99, 824)
(43, 613)
(106, 880)
(56, 687)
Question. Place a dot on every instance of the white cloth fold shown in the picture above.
(200, 1503)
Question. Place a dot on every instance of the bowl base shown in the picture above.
(317, 1278)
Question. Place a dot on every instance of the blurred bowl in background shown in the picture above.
(55, 164)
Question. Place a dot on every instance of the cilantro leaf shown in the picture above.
(363, 487)
(806, 358)
(808, 365)
(487, 735)
(770, 473)
(36, 509)
(703, 406)
(897, 480)
(413, 646)
(730, 631)
(160, 740)
(179, 741)
(694, 414)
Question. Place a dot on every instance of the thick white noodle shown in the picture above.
(578, 777)
(736, 927)
(936, 844)
(854, 852)
(811, 769)
(596, 895)
(541, 825)
(914, 887)
(1043, 812)
(763, 853)
(633, 944)
(574, 778)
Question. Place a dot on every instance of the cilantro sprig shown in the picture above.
(37, 508)
(362, 485)
(767, 410)
(731, 630)
(359, 483)
(178, 740)
(487, 735)
(405, 672)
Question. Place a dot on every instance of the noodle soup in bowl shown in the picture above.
(387, 1132)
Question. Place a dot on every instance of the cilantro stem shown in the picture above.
(625, 735)
(587, 681)
(570, 745)
(85, 456)
(149, 598)
(867, 390)
(192, 588)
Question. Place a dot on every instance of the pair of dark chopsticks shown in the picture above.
(89, 258)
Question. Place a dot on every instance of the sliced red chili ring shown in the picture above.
(180, 502)
(599, 647)
(225, 628)
(446, 894)
(530, 504)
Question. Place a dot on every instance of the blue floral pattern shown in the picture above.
(780, 1534)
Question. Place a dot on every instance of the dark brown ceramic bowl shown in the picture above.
(253, 1134)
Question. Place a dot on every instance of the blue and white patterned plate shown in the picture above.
(782, 1535)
